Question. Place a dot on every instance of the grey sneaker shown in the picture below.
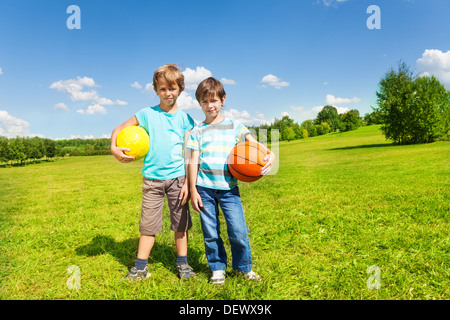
(252, 276)
(218, 277)
(185, 271)
(137, 275)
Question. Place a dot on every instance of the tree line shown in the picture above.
(327, 120)
(22, 149)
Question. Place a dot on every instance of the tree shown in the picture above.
(49, 148)
(330, 115)
(350, 120)
(372, 118)
(431, 109)
(412, 110)
(289, 134)
(6, 152)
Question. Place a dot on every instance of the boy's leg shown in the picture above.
(230, 202)
(209, 218)
(181, 222)
(145, 246)
(181, 243)
(150, 224)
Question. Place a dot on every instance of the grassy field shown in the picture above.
(338, 204)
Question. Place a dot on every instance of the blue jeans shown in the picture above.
(230, 203)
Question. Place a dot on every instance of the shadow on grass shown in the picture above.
(125, 252)
(367, 146)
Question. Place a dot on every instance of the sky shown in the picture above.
(78, 74)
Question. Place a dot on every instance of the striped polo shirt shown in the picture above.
(215, 141)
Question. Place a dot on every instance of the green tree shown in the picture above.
(372, 118)
(308, 125)
(330, 115)
(49, 148)
(431, 105)
(6, 152)
(350, 120)
(289, 134)
(412, 110)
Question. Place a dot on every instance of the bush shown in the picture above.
(412, 110)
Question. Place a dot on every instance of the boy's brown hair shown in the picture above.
(208, 88)
(171, 73)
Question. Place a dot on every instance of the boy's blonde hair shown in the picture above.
(171, 73)
(208, 88)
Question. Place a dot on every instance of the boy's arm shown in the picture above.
(196, 200)
(270, 158)
(118, 152)
(184, 194)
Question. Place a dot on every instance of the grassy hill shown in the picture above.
(338, 204)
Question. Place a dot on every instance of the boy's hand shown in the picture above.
(118, 152)
(184, 194)
(196, 201)
(270, 158)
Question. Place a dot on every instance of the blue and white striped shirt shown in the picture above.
(215, 142)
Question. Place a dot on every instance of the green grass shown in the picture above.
(338, 204)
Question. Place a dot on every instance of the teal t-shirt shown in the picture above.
(165, 159)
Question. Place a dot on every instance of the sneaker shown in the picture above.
(252, 276)
(218, 277)
(137, 275)
(185, 271)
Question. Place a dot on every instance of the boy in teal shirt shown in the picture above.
(164, 171)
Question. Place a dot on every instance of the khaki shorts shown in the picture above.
(153, 192)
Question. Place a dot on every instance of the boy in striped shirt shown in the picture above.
(211, 183)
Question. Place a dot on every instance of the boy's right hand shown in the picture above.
(118, 152)
(196, 201)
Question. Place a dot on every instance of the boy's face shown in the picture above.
(212, 106)
(168, 93)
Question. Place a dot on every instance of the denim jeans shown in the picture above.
(230, 203)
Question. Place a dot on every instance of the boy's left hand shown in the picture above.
(184, 194)
(270, 158)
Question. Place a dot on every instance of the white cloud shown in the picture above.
(74, 87)
(11, 126)
(186, 102)
(193, 77)
(435, 63)
(244, 117)
(228, 81)
(61, 106)
(332, 100)
(93, 109)
(329, 3)
(76, 90)
(136, 85)
(1, 71)
(149, 87)
(274, 81)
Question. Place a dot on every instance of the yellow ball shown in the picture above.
(136, 139)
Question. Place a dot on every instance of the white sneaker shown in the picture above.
(251, 275)
(218, 277)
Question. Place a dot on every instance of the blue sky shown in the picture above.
(274, 57)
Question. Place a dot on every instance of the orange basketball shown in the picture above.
(246, 160)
